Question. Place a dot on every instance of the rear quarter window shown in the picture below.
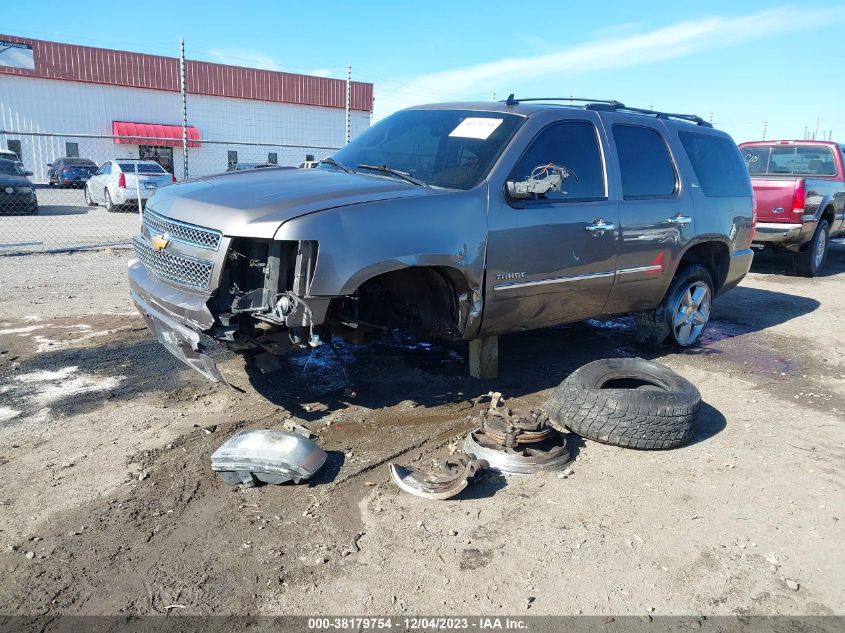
(717, 165)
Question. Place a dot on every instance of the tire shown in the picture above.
(107, 203)
(628, 402)
(684, 312)
(33, 209)
(89, 201)
(811, 261)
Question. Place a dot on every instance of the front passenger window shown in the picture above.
(570, 144)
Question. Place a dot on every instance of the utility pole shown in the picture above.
(348, 101)
(765, 125)
(816, 132)
(183, 89)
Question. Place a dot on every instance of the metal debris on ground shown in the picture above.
(446, 478)
(270, 456)
(295, 427)
(506, 440)
(516, 441)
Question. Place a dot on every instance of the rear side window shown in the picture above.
(792, 160)
(717, 165)
(644, 161)
(570, 144)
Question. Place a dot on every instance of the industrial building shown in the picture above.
(67, 100)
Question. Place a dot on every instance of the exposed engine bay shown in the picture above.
(262, 301)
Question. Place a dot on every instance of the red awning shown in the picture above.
(143, 133)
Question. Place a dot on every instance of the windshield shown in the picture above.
(146, 167)
(792, 160)
(8, 168)
(79, 162)
(444, 148)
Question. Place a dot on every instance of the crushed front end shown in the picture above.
(197, 288)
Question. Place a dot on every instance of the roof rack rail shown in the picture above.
(692, 118)
(511, 100)
(612, 105)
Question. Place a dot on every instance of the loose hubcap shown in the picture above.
(692, 313)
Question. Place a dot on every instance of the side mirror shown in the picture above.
(543, 178)
(27, 173)
(518, 190)
(49, 164)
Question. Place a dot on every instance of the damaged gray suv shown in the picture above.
(461, 221)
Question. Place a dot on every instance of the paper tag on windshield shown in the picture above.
(476, 127)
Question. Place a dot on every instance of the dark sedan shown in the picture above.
(17, 195)
(70, 171)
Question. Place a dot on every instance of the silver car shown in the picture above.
(125, 180)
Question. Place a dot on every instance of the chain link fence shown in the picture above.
(73, 191)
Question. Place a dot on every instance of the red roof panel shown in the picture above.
(70, 62)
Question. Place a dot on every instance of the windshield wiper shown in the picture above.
(395, 172)
(331, 161)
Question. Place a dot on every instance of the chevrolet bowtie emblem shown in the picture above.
(159, 242)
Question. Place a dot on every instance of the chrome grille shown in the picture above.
(181, 231)
(179, 269)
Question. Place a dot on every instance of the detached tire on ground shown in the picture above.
(627, 402)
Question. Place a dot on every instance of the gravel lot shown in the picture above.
(64, 221)
(109, 504)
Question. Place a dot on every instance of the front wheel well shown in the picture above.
(427, 300)
(715, 256)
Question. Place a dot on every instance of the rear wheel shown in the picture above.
(685, 310)
(107, 201)
(811, 261)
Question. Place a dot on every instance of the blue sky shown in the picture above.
(741, 63)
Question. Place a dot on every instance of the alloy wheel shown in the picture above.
(691, 313)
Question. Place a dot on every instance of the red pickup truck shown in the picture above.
(799, 188)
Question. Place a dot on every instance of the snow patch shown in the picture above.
(75, 386)
(44, 344)
(46, 376)
(44, 388)
(7, 413)
(21, 330)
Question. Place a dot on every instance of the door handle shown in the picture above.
(599, 226)
(680, 219)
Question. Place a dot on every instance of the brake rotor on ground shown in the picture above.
(516, 441)
(509, 427)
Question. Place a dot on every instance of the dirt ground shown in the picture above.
(108, 504)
